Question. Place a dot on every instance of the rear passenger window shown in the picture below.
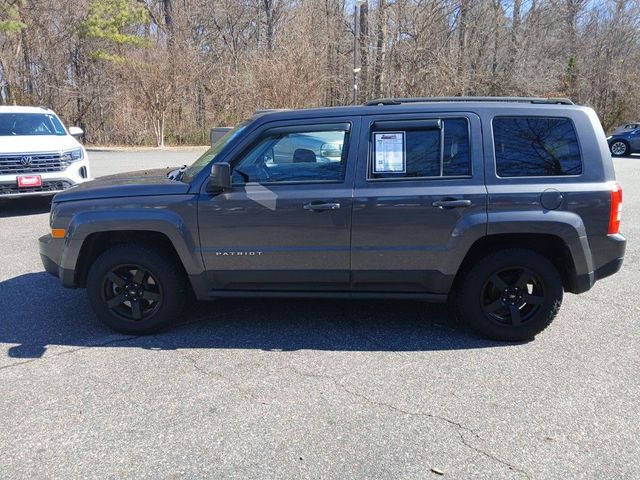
(536, 146)
(420, 149)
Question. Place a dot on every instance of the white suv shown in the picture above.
(38, 155)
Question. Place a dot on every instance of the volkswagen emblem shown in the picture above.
(26, 160)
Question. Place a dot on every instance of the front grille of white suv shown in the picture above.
(33, 163)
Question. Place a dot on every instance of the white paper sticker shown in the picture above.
(389, 148)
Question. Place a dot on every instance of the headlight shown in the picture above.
(73, 155)
(609, 137)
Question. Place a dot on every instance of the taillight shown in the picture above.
(616, 209)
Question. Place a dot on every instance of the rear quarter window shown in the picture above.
(536, 146)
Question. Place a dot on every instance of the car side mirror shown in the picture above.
(220, 178)
(75, 131)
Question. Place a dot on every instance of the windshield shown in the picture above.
(210, 154)
(17, 124)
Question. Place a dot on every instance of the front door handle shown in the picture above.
(451, 203)
(320, 206)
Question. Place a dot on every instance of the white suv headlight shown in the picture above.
(73, 155)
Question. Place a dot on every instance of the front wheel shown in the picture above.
(135, 290)
(511, 295)
(619, 148)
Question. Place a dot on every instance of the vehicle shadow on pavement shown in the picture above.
(37, 312)
(19, 207)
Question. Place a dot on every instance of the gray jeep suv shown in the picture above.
(499, 205)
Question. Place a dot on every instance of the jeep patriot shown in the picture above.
(499, 205)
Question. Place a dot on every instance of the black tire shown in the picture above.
(135, 289)
(619, 148)
(510, 295)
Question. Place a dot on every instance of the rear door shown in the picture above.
(420, 201)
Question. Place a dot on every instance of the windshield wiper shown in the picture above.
(177, 174)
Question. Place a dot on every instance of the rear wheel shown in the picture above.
(619, 148)
(135, 290)
(512, 294)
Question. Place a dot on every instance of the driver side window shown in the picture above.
(314, 156)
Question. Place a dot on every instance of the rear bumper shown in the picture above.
(609, 269)
(608, 255)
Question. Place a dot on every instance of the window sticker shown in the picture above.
(389, 153)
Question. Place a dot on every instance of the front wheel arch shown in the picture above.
(97, 243)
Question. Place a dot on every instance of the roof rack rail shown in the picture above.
(269, 110)
(400, 101)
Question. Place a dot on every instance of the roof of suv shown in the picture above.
(19, 109)
(409, 105)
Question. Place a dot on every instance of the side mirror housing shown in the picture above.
(220, 178)
(75, 131)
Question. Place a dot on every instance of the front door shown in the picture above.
(420, 201)
(286, 222)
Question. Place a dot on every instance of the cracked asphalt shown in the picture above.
(310, 388)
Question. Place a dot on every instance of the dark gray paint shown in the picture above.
(387, 237)
(397, 228)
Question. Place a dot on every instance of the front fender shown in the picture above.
(162, 221)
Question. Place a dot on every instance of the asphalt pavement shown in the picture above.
(310, 388)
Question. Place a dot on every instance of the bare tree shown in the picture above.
(172, 68)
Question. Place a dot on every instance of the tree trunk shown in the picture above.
(573, 8)
(514, 46)
(27, 78)
(269, 21)
(496, 45)
(381, 50)
(167, 10)
(462, 45)
(363, 42)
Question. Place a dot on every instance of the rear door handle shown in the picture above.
(319, 206)
(451, 203)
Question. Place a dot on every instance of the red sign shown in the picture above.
(30, 181)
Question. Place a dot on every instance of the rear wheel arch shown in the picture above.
(550, 246)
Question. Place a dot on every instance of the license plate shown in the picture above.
(30, 181)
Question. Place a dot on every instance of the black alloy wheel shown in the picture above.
(137, 289)
(132, 293)
(512, 296)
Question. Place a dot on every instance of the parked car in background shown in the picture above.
(38, 155)
(217, 133)
(626, 127)
(625, 142)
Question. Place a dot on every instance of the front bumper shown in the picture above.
(51, 250)
(52, 182)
